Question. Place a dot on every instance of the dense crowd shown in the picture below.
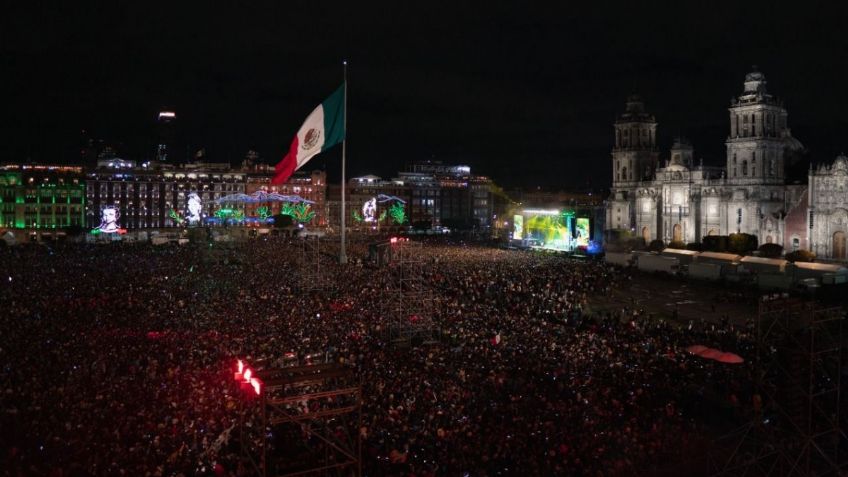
(117, 360)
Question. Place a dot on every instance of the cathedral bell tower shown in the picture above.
(758, 135)
(634, 156)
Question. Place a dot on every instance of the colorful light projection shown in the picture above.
(109, 216)
(193, 209)
(369, 210)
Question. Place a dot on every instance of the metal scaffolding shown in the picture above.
(307, 423)
(800, 428)
(410, 304)
(309, 263)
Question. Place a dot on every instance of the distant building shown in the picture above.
(433, 195)
(826, 226)
(449, 195)
(166, 136)
(41, 196)
(311, 186)
(153, 195)
(685, 202)
(370, 198)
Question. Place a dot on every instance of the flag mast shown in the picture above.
(342, 252)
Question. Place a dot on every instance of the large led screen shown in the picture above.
(582, 231)
(548, 231)
(517, 226)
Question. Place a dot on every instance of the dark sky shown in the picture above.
(525, 94)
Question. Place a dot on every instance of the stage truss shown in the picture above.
(801, 429)
(309, 263)
(409, 305)
(311, 416)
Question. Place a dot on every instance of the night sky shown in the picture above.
(524, 94)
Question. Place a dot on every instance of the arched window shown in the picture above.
(624, 173)
(753, 124)
(744, 168)
(754, 163)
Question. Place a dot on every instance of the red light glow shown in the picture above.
(247, 374)
(240, 365)
(257, 385)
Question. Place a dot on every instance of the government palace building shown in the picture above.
(680, 201)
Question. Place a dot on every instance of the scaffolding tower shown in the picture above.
(409, 305)
(306, 421)
(800, 428)
(309, 263)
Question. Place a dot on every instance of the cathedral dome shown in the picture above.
(792, 144)
(635, 104)
(755, 82)
(755, 76)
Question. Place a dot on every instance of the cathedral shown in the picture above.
(679, 201)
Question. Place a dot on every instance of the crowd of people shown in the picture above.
(117, 360)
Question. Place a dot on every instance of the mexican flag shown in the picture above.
(323, 129)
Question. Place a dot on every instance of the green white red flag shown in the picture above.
(323, 129)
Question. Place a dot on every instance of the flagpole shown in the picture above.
(342, 252)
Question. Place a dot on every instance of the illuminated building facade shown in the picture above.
(683, 202)
(41, 196)
(449, 195)
(826, 226)
(154, 195)
(434, 195)
(311, 186)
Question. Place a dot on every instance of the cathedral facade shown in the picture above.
(682, 202)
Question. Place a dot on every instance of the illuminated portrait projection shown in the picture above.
(517, 226)
(193, 209)
(581, 232)
(548, 229)
(109, 216)
(369, 210)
